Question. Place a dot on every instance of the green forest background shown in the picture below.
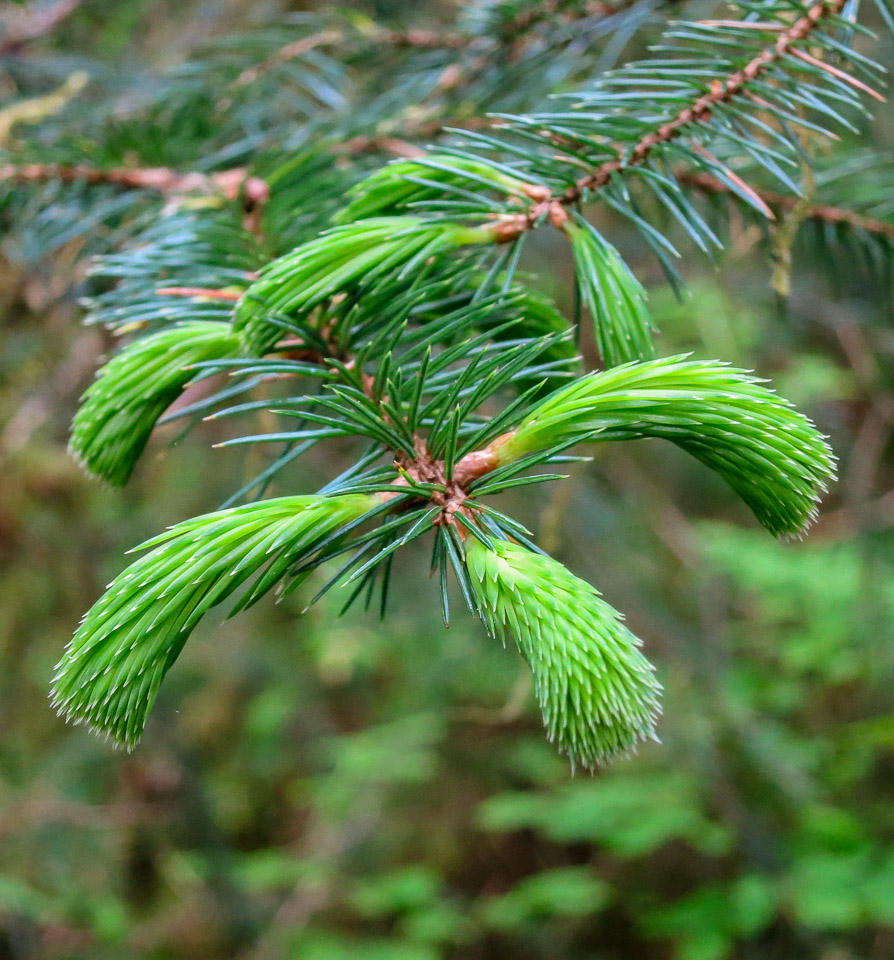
(346, 789)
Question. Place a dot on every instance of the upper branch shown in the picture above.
(413, 39)
(721, 91)
(164, 180)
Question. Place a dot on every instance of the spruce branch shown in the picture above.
(702, 109)
(596, 692)
(820, 213)
(372, 36)
(632, 103)
(432, 355)
(316, 328)
(511, 31)
(624, 332)
(230, 184)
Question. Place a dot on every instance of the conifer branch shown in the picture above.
(735, 85)
(820, 213)
(399, 294)
(511, 31)
(786, 43)
(552, 10)
(231, 184)
(373, 36)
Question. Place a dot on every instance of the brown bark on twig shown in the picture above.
(211, 294)
(822, 213)
(229, 183)
(414, 39)
(552, 10)
(511, 31)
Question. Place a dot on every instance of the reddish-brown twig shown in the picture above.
(416, 39)
(207, 292)
(822, 213)
(229, 183)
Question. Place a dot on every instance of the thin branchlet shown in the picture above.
(821, 213)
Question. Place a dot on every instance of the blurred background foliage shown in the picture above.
(319, 788)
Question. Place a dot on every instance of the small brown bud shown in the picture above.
(558, 215)
(536, 192)
(507, 229)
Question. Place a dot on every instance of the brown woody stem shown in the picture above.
(418, 39)
(822, 213)
(208, 292)
(228, 183)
